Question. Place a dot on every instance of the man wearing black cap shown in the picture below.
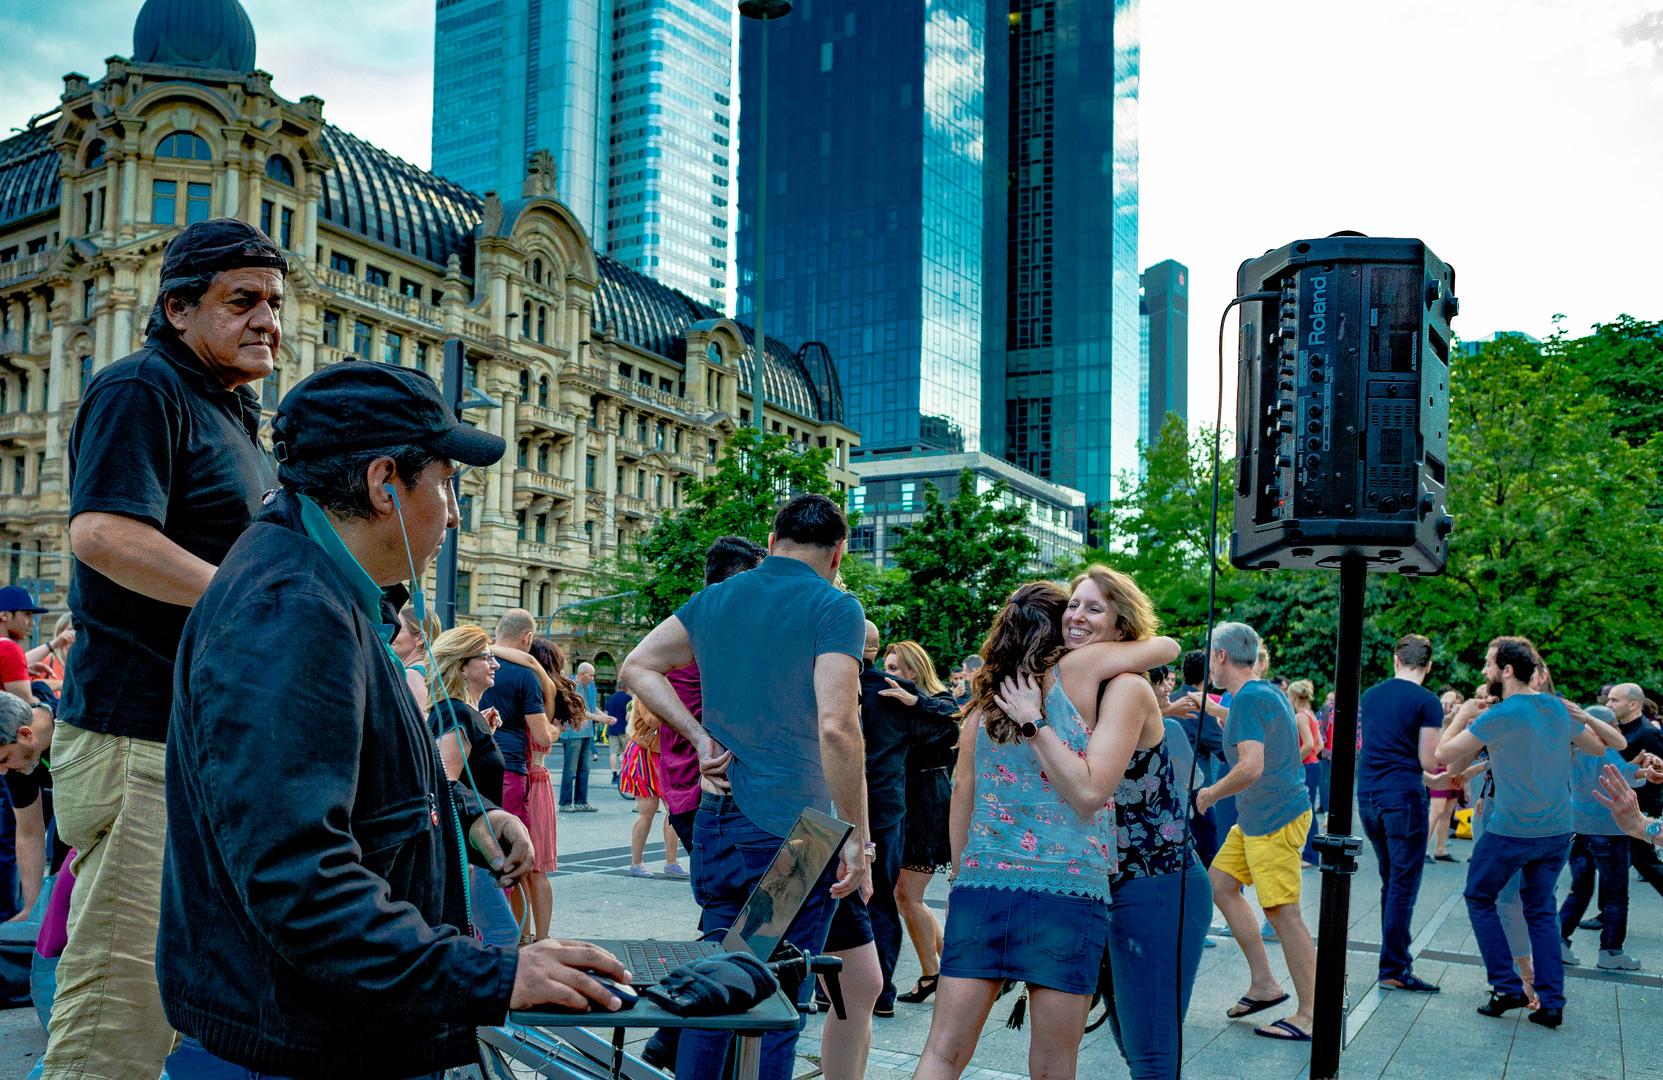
(314, 903)
(166, 471)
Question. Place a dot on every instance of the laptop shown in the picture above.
(812, 845)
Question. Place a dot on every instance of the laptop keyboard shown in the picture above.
(650, 961)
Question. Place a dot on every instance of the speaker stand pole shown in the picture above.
(1338, 847)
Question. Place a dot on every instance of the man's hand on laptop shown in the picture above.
(553, 972)
(854, 871)
(714, 759)
(510, 836)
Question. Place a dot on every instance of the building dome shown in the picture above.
(194, 33)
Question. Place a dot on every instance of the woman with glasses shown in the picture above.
(464, 668)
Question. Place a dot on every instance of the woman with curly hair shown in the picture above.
(1033, 833)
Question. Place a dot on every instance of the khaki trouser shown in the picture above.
(110, 801)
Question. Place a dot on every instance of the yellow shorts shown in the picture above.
(1268, 863)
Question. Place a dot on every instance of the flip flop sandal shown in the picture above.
(1253, 1005)
(1284, 1031)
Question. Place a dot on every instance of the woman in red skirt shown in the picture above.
(640, 777)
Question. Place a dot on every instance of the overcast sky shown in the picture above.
(1521, 139)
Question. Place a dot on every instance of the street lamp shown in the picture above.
(766, 10)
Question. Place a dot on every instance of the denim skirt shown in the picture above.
(1054, 940)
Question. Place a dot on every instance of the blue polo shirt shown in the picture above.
(1529, 737)
(755, 638)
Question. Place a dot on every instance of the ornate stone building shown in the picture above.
(615, 390)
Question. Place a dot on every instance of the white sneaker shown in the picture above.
(639, 870)
(674, 869)
(1617, 960)
(1567, 956)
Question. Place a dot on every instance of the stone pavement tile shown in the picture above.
(1640, 1017)
(22, 1041)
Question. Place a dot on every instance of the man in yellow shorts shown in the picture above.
(1262, 745)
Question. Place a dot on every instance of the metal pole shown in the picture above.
(444, 585)
(759, 342)
(1338, 847)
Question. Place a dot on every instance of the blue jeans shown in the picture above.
(1606, 856)
(1395, 823)
(1313, 788)
(1143, 954)
(1539, 859)
(731, 855)
(192, 1062)
(493, 916)
(574, 772)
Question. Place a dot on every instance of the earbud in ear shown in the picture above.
(391, 490)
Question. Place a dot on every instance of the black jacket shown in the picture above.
(312, 887)
(893, 731)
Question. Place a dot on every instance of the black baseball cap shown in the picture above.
(360, 405)
(220, 244)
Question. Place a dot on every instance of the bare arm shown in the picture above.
(964, 794)
(1429, 749)
(31, 853)
(418, 688)
(139, 558)
(21, 688)
(453, 751)
(1307, 735)
(843, 759)
(1103, 660)
(537, 723)
(646, 673)
(1085, 783)
(1250, 765)
(1596, 735)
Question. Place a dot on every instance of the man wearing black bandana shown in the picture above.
(166, 472)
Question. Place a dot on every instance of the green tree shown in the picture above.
(953, 568)
(1553, 537)
(1623, 360)
(757, 473)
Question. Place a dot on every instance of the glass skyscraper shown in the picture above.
(634, 100)
(1165, 314)
(875, 206)
(1061, 340)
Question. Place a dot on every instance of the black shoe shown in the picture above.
(1502, 1001)
(1409, 982)
(884, 1009)
(921, 991)
(1548, 1018)
(1595, 923)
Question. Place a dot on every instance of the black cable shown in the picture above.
(1206, 663)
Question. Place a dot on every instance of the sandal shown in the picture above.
(1252, 1005)
(1284, 1031)
(921, 990)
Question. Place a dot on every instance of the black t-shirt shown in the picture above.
(515, 693)
(1392, 715)
(156, 440)
(484, 759)
(1642, 736)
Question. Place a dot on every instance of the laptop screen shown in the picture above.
(767, 916)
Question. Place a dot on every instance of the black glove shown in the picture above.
(716, 986)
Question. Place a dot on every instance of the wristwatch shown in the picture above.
(871, 850)
(1654, 829)
(1030, 728)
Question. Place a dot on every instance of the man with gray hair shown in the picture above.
(1273, 815)
(1626, 702)
(25, 735)
(166, 471)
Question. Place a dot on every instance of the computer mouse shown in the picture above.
(624, 992)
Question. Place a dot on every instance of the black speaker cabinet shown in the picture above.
(1342, 414)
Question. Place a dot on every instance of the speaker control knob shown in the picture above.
(1286, 406)
(1286, 386)
(1444, 526)
(1285, 427)
(1284, 462)
(1427, 503)
(1313, 461)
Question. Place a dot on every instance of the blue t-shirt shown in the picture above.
(755, 638)
(1589, 816)
(617, 707)
(1392, 715)
(1261, 713)
(515, 693)
(1528, 737)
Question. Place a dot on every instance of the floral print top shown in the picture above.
(1149, 818)
(1023, 835)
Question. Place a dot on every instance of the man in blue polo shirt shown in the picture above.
(779, 652)
(1529, 736)
(1401, 721)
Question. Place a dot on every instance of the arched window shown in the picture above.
(537, 271)
(713, 353)
(525, 452)
(542, 325)
(183, 144)
(525, 320)
(543, 391)
(95, 153)
(279, 169)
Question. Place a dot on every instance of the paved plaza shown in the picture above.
(1613, 1021)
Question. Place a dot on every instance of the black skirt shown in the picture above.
(929, 804)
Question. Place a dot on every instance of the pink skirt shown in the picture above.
(639, 775)
(539, 816)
